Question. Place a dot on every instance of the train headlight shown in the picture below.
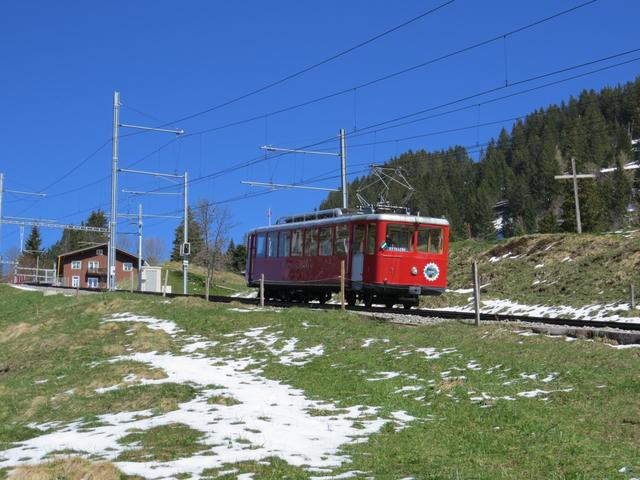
(414, 271)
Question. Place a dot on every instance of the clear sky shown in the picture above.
(61, 61)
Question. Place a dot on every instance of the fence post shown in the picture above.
(342, 284)
(262, 289)
(476, 291)
(132, 281)
(632, 296)
(164, 290)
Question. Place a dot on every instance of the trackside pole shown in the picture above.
(342, 285)
(476, 291)
(262, 289)
(164, 290)
(132, 280)
(632, 296)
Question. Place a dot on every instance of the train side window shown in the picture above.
(325, 241)
(430, 240)
(283, 244)
(371, 239)
(296, 243)
(272, 242)
(260, 245)
(311, 242)
(342, 237)
(399, 238)
(357, 243)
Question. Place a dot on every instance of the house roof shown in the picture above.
(94, 247)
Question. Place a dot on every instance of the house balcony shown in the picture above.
(97, 271)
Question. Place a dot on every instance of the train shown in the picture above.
(385, 258)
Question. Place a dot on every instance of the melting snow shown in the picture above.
(384, 376)
(588, 312)
(272, 416)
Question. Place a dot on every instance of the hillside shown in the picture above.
(553, 269)
(518, 169)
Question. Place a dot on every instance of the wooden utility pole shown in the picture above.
(164, 290)
(575, 176)
(342, 274)
(476, 291)
(262, 289)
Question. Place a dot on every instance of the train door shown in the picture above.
(357, 255)
(250, 258)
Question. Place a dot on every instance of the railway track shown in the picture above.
(418, 312)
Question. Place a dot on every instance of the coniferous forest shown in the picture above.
(514, 178)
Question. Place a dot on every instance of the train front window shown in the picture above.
(311, 243)
(399, 238)
(325, 241)
(296, 243)
(342, 237)
(430, 240)
(260, 245)
(283, 244)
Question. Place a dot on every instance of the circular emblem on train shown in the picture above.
(431, 272)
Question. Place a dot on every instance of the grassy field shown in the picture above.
(223, 283)
(554, 269)
(223, 390)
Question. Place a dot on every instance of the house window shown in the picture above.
(127, 266)
(99, 252)
(76, 265)
(94, 265)
(92, 282)
(75, 281)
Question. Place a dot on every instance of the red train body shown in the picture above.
(389, 258)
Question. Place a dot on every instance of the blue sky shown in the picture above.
(61, 62)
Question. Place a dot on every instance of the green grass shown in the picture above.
(588, 432)
(223, 283)
(164, 443)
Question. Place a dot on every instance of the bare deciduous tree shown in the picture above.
(153, 249)
(215, 223)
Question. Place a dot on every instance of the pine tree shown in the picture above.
(618, 196)
(34, 242)
(195, 238)
(548, 223)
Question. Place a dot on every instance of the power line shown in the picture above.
(324, 97)
(363, 131)
(369, 83)
(315, 65)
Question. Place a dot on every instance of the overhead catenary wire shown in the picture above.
(324, 97)
(389, 76)
(365, 130)
(313, 66)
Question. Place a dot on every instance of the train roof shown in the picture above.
(350, 217)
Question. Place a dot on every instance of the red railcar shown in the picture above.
(389, 258)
